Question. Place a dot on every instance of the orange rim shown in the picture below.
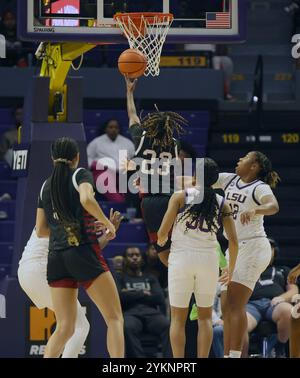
(139, 19)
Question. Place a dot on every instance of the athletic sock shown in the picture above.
(235, 354)
(226, 356)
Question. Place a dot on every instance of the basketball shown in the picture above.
(132, 63)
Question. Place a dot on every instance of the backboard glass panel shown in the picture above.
(195, 21)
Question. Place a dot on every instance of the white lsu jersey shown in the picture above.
(187, 237)
(35, 249)
(241, 197)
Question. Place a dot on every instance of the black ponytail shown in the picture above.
(266, 173)
(208, 208)
(64, 151)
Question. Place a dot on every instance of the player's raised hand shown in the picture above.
(130, 83)
(116, 218)
(110, 230)
(246, 216)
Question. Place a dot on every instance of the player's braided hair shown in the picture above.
(208, 209)
(63, 151)
(161, 127)
(266, 172)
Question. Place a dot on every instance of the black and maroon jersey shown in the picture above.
(156, 164)
(58, 236)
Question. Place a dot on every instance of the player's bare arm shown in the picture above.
(131, 109)
(87, 200)
(175, 203)
(42, 228)
(228, 224)
(269, 206)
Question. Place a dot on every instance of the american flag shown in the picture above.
(218, 20)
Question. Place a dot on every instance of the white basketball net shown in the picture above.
(146, 33)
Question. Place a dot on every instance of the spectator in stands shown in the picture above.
(294, 278)
(271, 299)
(10, 137)
(14, 53)
(154, 266)
(221, 61)
(141, 297)
(108, 146)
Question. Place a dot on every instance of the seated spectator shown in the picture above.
(10, 137)
(221, 61)
(141, 297)
(14, 53)
(294, 278)
(154, 266)
(106, 146)
(271, 300)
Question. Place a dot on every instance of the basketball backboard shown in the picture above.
(195, 21)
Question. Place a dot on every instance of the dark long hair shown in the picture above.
(161, 127)
(63, 151)
(266, 172)
(208, 208)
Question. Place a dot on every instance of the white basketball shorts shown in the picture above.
(253, 258)
(33, 280)
(193, 272)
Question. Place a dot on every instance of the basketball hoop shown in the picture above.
(147, 33)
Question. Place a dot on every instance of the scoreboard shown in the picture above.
(274, 138)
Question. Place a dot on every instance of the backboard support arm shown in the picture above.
(57, 60)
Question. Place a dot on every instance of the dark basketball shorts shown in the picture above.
(153, 209)
(75, 266)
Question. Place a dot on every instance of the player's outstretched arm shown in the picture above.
(233, 246)
(175, 203)
(269, 206)
(131, 109)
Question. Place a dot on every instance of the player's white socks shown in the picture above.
(226, 356)
(235, 354)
